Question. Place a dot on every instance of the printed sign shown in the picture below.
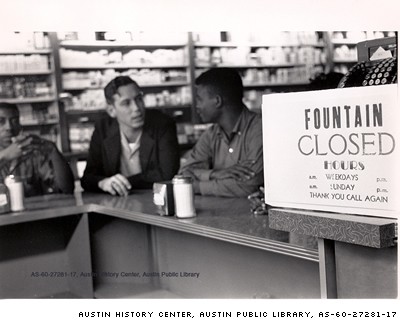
(333, 150)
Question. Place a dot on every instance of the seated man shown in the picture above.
(134, 147)
(36, 161)
(228, 158)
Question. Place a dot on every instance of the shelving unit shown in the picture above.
(276, 62)
(86, 66)
(27, 78)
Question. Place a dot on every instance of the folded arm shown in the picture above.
(238, 180)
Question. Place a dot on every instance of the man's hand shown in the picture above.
(20, 146)
(116, 185)
(240, 171)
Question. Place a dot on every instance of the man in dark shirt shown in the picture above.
(228, 158)
(133, 147)
(36, 161)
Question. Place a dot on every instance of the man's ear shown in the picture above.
(218, 101)
(111, 110)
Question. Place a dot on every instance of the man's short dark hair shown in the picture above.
(112, 87)
(223, 81)
(9, 106)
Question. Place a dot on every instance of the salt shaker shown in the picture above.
(183, 197)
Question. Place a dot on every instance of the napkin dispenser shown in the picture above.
(163, 198)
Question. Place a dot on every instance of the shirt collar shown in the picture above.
(239, 126)
(125, 144)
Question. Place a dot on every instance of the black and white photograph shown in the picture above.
(152, 162)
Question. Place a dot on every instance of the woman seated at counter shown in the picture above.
(133, 147)
(36, 161)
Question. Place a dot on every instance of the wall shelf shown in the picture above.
(29, 100)
(336, 60)
(73, 112)
(26, 72)
(39, 123)
(117, 44)
(26, 52)
(143, 85)
(272, 84)
(250, 66)
(79, 112)
(121, 66)
(170, 106)
(256, 44)
(344, 42)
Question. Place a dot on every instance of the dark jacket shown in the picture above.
(158, 152)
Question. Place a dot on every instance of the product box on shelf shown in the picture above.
(333, 150)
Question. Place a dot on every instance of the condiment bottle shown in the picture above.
(4, 199)
(16, 192)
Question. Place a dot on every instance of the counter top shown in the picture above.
(225, 219)
(287, 231)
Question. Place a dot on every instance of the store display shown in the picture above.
(275, 61)
(21, 63)
(25, 87)
(39, 114)
(28, 79)
(87, 101)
